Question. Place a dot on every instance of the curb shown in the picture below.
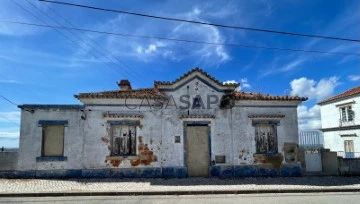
(155, 193)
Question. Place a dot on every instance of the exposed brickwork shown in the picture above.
(146, 155)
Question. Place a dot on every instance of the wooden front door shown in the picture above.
(197, 151)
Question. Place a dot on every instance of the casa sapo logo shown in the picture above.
(183, 102)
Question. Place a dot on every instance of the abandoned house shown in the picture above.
(192, 126)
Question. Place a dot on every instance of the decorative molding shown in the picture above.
(348, 135)
(124, 122)
(265, 116)
(196, 116)
(49, 106)
(51, 159)
(352, 127)
(119, 115)
(345, 104)
(52, 122)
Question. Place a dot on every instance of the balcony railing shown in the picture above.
(344, 123)
(348, 155)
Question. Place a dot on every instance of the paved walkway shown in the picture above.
(16, 186)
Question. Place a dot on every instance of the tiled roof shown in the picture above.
(345, 94)
(197, 69)
(237, 95)
(51, 106)
(149, 93)
(197, 116)
(266, 116)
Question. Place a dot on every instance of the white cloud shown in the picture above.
(292, 65)
(213, 54)
(230, 82)
(10, 117)
(149, 50)
(10, 81)
(243, 83)
(354, 77)
(312, 89)
(9, 134)
(309, 118)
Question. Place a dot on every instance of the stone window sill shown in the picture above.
(267, 154)
(51, 159)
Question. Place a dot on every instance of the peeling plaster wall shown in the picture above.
(31, 139)
(87, 141)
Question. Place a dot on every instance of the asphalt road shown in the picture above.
(313, 198)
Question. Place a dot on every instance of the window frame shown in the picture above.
(129, 123)
(274, 127)
(346, 113)
(43, 135)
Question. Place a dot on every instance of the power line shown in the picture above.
(6, 118)
(26, 10)
(183, 40)
(137, 75)
(8, 100)
(205, 23)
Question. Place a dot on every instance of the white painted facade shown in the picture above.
(336, 130)
(86, 136)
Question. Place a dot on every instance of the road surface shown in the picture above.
(318, 198)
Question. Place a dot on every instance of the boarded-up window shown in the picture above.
(266, 138)
(53, 140)
(123, 140)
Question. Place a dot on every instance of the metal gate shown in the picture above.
(313, 161)
(312, 142)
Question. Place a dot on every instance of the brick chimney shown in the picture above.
(124, 85)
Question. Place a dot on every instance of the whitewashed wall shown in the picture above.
(330, 116)
(232, 133)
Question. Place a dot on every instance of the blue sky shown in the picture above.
(38, 65)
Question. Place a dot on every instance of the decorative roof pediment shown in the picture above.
(199, 74)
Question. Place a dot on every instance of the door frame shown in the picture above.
(197, 123)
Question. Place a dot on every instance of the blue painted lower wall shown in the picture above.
(226, 171)
(222, 171)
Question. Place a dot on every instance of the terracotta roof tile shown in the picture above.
(149, 93)
(237, 95)
(197, 69)
(345, 94)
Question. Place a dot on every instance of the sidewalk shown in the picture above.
(103, 187)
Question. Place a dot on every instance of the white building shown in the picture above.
(340, 123)
(193, 126)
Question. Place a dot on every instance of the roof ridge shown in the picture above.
(350, 92)
(196, 69)
(237, 95)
